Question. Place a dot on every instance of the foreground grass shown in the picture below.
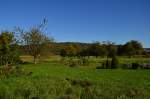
(52, 80)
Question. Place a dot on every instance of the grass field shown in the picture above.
(54, 80)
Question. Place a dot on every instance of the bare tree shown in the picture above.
(35, 41)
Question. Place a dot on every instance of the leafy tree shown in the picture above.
(137, 46)
(129, 49)
(96, 49)
(8, 48)
(71, 50)
(132, 48)
(68, 50)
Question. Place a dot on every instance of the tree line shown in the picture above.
(97, 49)
(35, 42)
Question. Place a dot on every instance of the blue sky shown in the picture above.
(82, 20)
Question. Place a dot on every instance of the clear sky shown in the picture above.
(82, 20)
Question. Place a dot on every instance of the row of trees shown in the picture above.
(102, 49)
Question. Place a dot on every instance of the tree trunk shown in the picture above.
(107, 62)
(34, 59)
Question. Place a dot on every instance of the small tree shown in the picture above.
(35, 41)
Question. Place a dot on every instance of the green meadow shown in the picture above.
(51, 79)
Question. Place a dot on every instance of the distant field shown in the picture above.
(53, 80)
